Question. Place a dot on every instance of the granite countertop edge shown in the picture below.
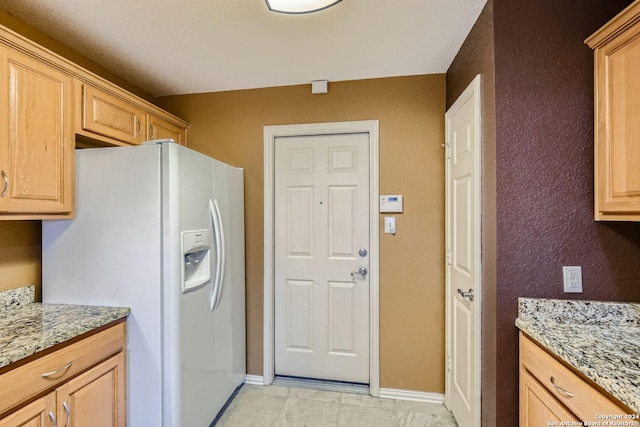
(580, 345)
(32, 328)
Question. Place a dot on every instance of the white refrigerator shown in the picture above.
(159, 228)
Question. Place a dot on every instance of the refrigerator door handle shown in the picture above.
(218, 229)
(223, 254)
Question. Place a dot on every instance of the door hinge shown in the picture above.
(448, 257)
(448, 363)
(447, 150)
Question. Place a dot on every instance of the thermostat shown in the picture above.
(391, 203)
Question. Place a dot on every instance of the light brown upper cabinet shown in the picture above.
(100, 113)
(37, 139)
(107, 115)
(617, 109)
(50, 106)
(162, 129)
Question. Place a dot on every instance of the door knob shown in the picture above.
(362, 272)
(466, 294)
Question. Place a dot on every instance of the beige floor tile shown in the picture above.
(420, 419)
(271, 390)
(319, 395)
(308, 413)
(366, 400)
(277, 406)
(366, 416)
(253, 409)
(411, 406)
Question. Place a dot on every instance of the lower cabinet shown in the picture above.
(551, 393)
(41, 412)
(538, 407)
(95, 397)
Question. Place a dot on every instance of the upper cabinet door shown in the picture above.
(104, 114)
(37, 138)
(161, 129)
(617, 108)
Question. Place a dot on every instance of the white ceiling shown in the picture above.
(170, 47)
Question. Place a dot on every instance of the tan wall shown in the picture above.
(229, 126)
(19, 254)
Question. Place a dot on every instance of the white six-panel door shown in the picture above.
(321, 219)
(463, 151)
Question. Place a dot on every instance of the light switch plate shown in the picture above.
(390, 224)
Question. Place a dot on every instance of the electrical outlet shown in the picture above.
(572, 277)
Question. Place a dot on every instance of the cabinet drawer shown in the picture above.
(576, 394)
(107, 115)
(27, 381)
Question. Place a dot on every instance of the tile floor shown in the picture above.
(277, 406)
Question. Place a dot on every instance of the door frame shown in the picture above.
(473, 91)
(270, 134)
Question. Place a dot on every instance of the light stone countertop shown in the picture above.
(27, 327)
(599, 339)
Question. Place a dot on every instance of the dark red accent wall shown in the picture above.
(544, 173)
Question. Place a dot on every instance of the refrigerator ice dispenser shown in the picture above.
(196, 266)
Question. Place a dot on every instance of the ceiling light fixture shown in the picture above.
(299, 6)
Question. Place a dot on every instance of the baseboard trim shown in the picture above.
(254, 379)
(416, 396)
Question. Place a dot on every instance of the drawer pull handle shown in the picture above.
(6, 184)
(560, 389)
(68, 411)
(53, 418)
(57, 371)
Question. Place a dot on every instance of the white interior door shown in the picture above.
(321, 224)
(463, 150)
